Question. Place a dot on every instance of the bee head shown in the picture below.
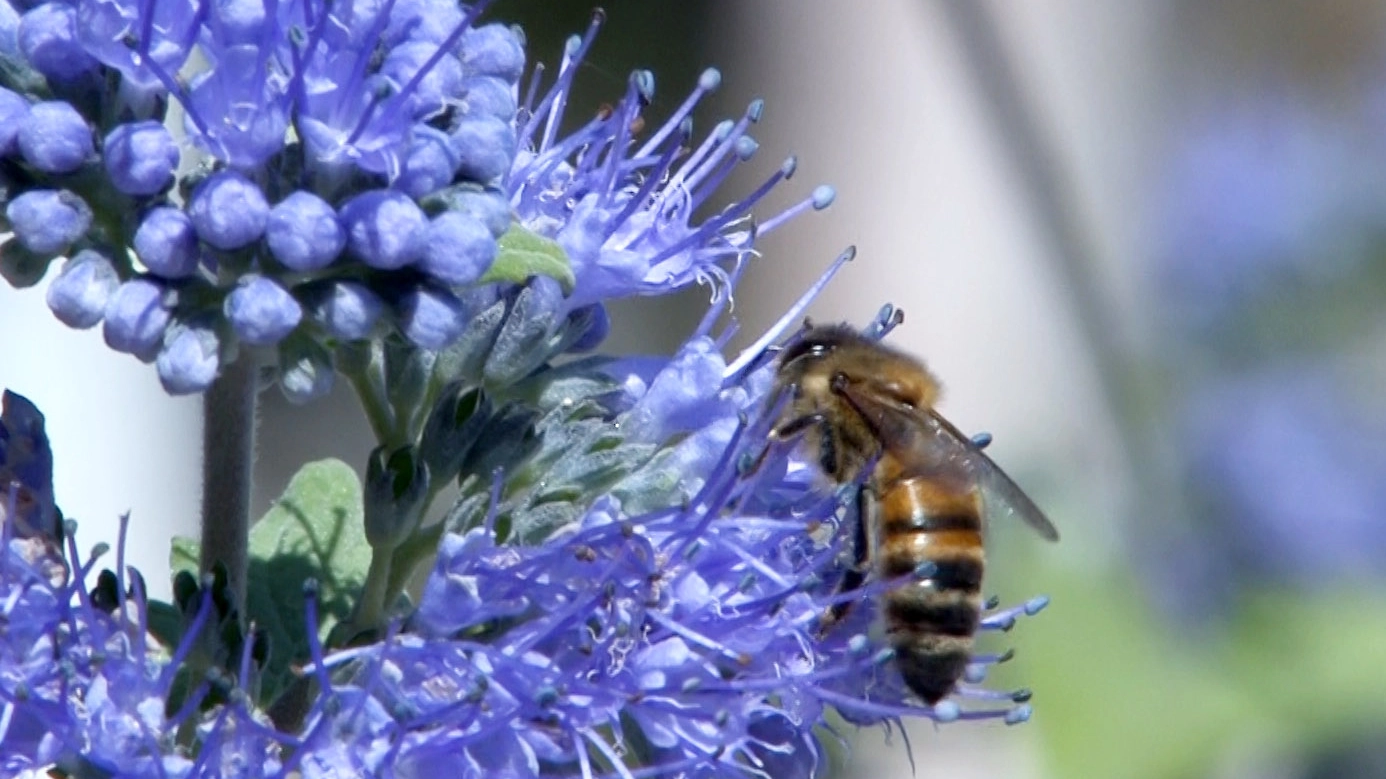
(816, 343)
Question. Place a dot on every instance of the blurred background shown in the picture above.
(1143, 243)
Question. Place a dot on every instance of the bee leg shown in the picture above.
(798, 425)
(855, 576)
(827, 450)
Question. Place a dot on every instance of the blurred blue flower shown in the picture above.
(1283, 446)
(26, 470)
(1259, 195)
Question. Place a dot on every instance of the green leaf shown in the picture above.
(1121, 690)
(524, 254)
(184, 556)
(166, 623)
(314, 531)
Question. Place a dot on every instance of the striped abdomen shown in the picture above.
(931, 621)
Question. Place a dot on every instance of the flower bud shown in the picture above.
(431, 317)
(167, 244)
(395, 489)
(347, 310)
(490, 96)
(189, 361)
(457, 249)
(262, 312)
(485, 147)
(493, 50)
(47, 221)
(136, 318)
(55, 138)
(13, 111)
(48, 39)
(305, 369)
(384, 228)
(78, 296)
(141, 158)
(228, 210)
(303, 232)
(429, 162)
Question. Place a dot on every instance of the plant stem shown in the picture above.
(377, 409)
(370, 610)
(228, 450)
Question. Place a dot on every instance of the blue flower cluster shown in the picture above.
(679, 640)
(1270, 218)
(631, 583)
(354, 168)
(348, 164)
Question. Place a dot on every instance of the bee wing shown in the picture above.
(950, 446)
(929, 442)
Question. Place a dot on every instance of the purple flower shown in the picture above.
(228, 211)
(303, 232)
(350, 117)
(629, 581)
(189, 359)
(456, 248)
(48, 37)
(261, 311)
(136, 317)
(166, 243)
(47, 221)
(78, 296)
(698, 626)
(345, 309)
(26, 471)
(84, 682)
(384, 228)
(54, 138)
(623, 208)
(140, 158)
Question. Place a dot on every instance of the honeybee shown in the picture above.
(859, 404)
